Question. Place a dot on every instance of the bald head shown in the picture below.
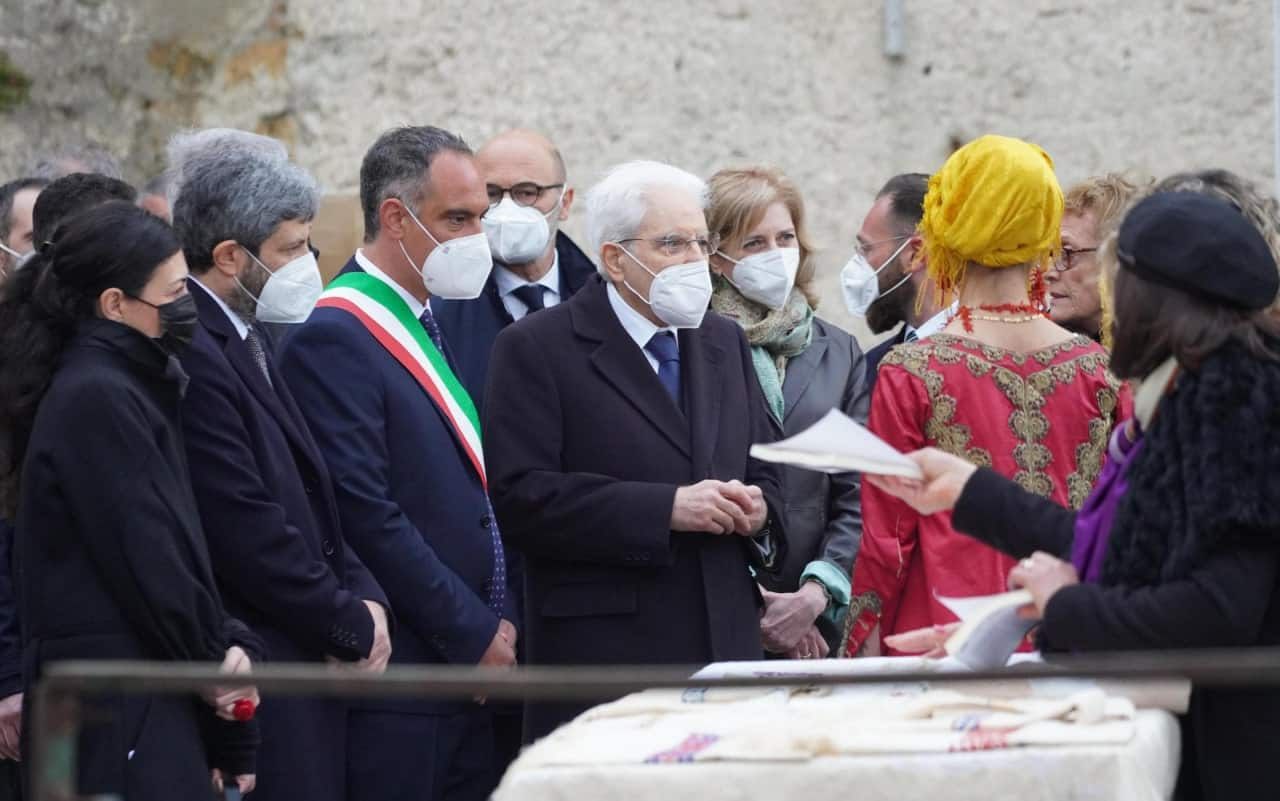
(521, 155)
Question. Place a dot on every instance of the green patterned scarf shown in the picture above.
(775, 335)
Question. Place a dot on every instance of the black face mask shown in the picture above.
(178, 319)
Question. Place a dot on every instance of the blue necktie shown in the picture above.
(532, 296)
(498, 585)
(663, 347)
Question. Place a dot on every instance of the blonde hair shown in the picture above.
(1106, 197)
(740, 197)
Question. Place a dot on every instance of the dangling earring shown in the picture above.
(1037, 290)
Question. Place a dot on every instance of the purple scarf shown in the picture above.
(1093, 523)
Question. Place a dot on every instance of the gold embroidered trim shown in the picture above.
(1027, 396)
(1090, 454)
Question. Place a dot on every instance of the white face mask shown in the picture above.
(19, 259)
(861, 281)
(680, 294)
(457, 268)
(767, 277)
(290, 293)
(518, 234)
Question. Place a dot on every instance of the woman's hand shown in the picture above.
(223, 699)
(930, 641)
(788, 616)
(812, 645)
(245, 783)
(944, 479)
(1042, 575)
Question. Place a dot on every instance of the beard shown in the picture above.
(890, 309)
(244, 299)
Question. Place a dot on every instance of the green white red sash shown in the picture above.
(388, 318)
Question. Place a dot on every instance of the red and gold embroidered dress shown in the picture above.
(1041, 418)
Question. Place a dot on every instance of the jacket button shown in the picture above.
(307, 488)
(486, 521)
(327, 547)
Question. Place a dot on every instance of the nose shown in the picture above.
(1052, 275)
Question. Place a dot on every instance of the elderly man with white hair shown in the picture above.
(617, 426)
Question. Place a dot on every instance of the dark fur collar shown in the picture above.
(1208, 474)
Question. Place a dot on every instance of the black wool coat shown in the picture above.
(1192, 559)
(111, 563)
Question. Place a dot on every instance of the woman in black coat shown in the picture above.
(1179, 545)
(109, 555)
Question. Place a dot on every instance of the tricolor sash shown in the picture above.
(387, 317)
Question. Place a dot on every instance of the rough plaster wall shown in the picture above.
(1149, 85)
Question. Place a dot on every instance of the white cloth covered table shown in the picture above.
(1021, 739)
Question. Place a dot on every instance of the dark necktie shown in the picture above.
(663, 347)
(498, 585)
(531, 295)
(253, 341)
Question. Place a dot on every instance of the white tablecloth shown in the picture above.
(653, 747)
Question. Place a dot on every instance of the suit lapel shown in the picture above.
(624, 366)
(800, 372)
(701, 363)
(237, 355)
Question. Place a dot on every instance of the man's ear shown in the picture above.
(393, 217)
(611, 257)
(227, 258)
(566, 204)
(913, 260)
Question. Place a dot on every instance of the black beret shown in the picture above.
(1200, 245)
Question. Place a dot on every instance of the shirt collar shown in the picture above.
(935, 323)
(416, 306)
(638, 327)
(509, 282)
(242, 328)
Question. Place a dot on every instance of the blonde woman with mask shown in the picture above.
(763, 278)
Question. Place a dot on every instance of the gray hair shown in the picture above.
(397, 167)
(616, 206)
(230, 185)
(210, 144)
(91, 158)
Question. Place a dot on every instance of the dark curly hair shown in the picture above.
(114, 245)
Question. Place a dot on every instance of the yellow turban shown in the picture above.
(995, 202)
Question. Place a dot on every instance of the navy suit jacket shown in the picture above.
(471, 326)
(411, 504)
(277, 549)
(585, 451)
(879, 351)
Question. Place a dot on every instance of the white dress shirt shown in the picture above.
(242, 328)
(416, 306)
(640, 328)
(935, 323)
(508, 282)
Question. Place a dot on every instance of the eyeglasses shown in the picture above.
(679, 245)
(1066, 260)
(861, 249)
(525, 193)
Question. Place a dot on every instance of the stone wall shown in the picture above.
(1146, 85)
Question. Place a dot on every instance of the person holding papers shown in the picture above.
(763, 279)
(1001, 386)
(1178, 546)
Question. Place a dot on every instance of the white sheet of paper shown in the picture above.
(991, 629)
(837, 444)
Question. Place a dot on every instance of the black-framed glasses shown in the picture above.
(525, 193)
(673, 246)
(1067, 258)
